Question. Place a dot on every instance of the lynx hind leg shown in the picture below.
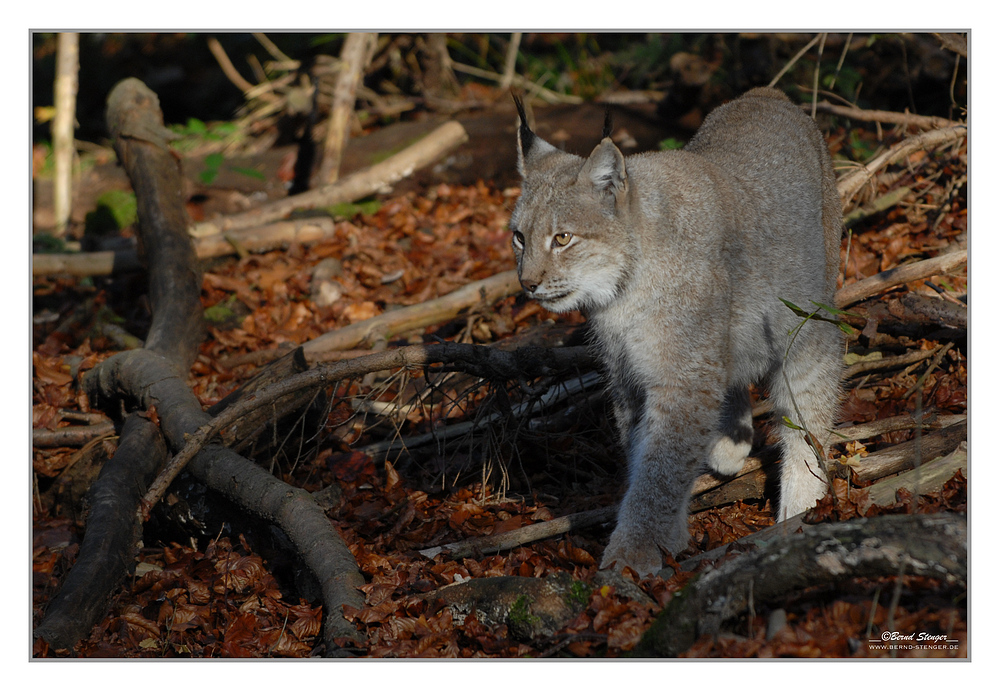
(730, 449)
(806, 390)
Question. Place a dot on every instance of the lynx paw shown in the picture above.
(640, 548)
(644, 558)
(727, 456)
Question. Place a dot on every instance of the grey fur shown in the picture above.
(678, 258)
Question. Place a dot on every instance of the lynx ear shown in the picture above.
(529, 144)
(606, 168)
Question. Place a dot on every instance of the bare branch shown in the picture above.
(361, 184)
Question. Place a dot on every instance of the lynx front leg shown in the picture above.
(666, 449)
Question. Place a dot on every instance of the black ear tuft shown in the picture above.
(607, 123)
(526, 135)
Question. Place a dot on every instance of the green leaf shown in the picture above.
(350, 210)
(835, 310)
(249, 172)
(221, 311)
(196, 126)
(121, 205)
(846, 328)
(212, 164)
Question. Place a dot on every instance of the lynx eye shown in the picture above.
(518, 240)
(561, 239)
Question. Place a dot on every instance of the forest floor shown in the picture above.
(231, 590)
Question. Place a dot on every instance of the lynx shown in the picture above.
(680, 261)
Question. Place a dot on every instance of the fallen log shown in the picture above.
(934, 545)
(257, 239)
(905, 273)
(929, 477)
(911, 453)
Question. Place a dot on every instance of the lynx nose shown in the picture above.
(529, 285)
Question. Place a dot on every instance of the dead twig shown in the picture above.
(259, 239)
(936, 266)
(520, 82)
(885, 363)
(485, 292)
(926, 122)
(361, 184)
(795, 59)
(491, 544)
(867, 430)
(848, 185)
(354, 58)
(228, 69)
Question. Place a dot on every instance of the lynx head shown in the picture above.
(570, 226)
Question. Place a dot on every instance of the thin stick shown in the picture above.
(938, 356)
(354, 58)
(840, 63)
(795, 59)
(490, 544)
(926, 122)
(528, 85)
(227, 66)
(369, 181)
(819, 59)
(273, 49)
(939, 265)
(511, 61)
(63, 126)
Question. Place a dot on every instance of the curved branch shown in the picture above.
(136, 123)
(145, 380)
